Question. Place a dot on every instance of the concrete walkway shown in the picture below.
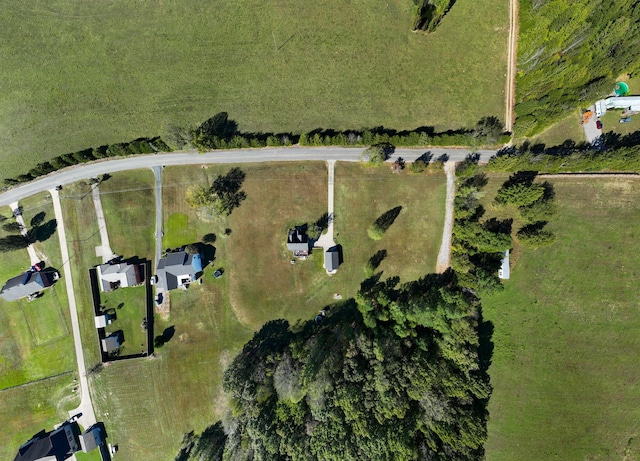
(88, 417)
(444, 255)
(105, 249)
(326, 240)
(35, 259)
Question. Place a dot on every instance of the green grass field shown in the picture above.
(26, 410)
(566, 334)
(148, 404)
(35, 342)
(83, 236)
(77, 75)
(569, 128)
(129, 305)
(126, 198)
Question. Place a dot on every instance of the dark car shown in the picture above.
(598, 124)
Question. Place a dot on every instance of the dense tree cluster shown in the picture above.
(569, 55)
(394, 376)
(535, 203)
(477, 246)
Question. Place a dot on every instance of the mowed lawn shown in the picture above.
(35, 343)
(36, 340)
(26, 410)
(567, 333)
(412, 242)
(148, 404)
(77, 75)
(128, 202)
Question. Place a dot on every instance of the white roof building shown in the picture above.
(630, 103)
(505, 271)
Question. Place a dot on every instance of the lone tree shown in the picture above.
(223, 196)
(376, 155)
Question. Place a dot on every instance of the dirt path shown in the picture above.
(88, 417)
(444, 255)
(512, 59)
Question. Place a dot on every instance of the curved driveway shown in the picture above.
(88, 170)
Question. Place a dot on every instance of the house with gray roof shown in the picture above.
(112, 276)
(298, 242)
(111, 342)
(178, 269)
(26, 284)
(91, 439)
(56, 445)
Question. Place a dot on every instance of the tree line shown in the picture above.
(123, 149)
(221, 132)
(569, 55)
(571, 157)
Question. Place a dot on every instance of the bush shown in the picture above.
(375, 232)
(418, 166)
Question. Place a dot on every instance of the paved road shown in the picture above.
(444, 255)
(95, 169)
(88, 417)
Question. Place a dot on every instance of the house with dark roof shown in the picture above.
(56, 445)
(179, 269)
(26, 284)
(298, 242)
(112, 276)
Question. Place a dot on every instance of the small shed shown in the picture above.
(505, 271)
(111, 343)
(102, 321)
(331, 260)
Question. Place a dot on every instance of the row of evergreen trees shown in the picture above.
(136, 147)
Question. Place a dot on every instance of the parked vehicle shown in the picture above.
(598, 124)
(625, 120)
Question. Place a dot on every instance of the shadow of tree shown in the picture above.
(165, 337)
(386, 219)
(45, 231)
(38, 219)
(375, 260)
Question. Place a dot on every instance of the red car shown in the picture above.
(598, 124)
